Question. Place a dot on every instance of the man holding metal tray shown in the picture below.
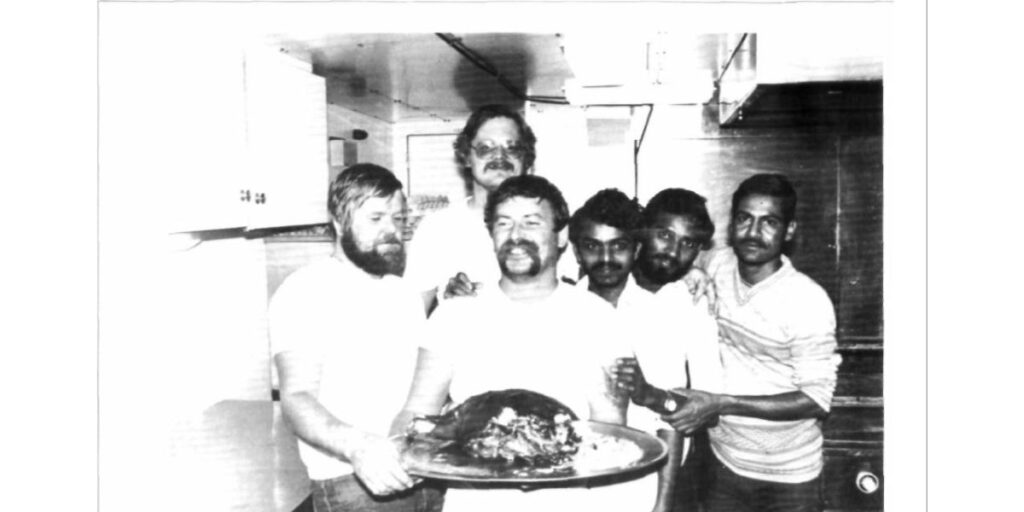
(528, 331)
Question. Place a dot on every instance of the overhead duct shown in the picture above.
(633, 69)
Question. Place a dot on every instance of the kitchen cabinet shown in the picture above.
(226, 134)
(287, 145)
(253, 143)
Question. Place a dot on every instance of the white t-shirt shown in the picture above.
(668, 332)
(447, 242)
(671, 332)
(362, 329)
(556, 346)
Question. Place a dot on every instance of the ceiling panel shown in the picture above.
(396, 77)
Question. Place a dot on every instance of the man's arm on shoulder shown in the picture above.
(374, 459)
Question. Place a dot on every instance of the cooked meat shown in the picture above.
(514, 425)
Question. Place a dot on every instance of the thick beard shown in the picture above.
(657, 274)
(371, 261)
(532, 251)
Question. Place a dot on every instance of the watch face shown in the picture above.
(670, 405)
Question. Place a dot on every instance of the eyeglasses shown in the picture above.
(490, 150)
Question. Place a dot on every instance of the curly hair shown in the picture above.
(530, 186)
(354, 185)
(771, 185)
(480, 116)
(610, 207)
(685, 203)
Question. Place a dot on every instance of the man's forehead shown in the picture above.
(600, 231)
(523, 206)
(761, 204)
(678, 223)
(498, 128)
(378, 203)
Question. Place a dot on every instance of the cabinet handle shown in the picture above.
(261, 198)
(867, 482)
(244, 196)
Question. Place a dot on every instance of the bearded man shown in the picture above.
(341, 330)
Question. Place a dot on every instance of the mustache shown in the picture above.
(526, 245)
(500, 164)
(660, 258)
(751, 241)
(389, 239)
(606, 267)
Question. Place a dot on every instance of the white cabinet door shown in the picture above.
(206, 147)
(288, 166)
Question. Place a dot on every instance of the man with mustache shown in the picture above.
(779, 360)
(452, 246)
(334, 324)
(528, 330)
(676, 228)
(674, 339)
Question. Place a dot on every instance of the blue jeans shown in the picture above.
(346, 493)
(734, 493)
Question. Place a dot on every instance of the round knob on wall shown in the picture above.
(867, 482)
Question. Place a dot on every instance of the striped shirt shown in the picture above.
(777, 336)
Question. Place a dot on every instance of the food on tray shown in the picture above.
(514, 426)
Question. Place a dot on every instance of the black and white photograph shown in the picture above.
(464, 256)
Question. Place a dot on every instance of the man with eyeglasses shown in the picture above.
(452, 248)
(669, 332)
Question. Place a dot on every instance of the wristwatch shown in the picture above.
(662, 402)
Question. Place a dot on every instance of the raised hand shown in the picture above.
(629, 378)
(460, 286)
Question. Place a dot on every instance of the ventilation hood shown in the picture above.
(644, 68)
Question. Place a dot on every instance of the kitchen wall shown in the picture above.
(222, 286)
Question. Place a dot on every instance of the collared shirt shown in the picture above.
(362, 329)
(674, 340)
(777, 336)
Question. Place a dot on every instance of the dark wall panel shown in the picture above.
(860, 237)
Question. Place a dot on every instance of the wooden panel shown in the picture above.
(859, 309)
(855, 423)
(860, 373)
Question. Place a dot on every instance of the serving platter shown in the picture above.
(606, 450)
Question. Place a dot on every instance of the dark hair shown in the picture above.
(610, 207)
(480, 116)
(530, 186)
(685, 203)
(354, 185)
(768, 184)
